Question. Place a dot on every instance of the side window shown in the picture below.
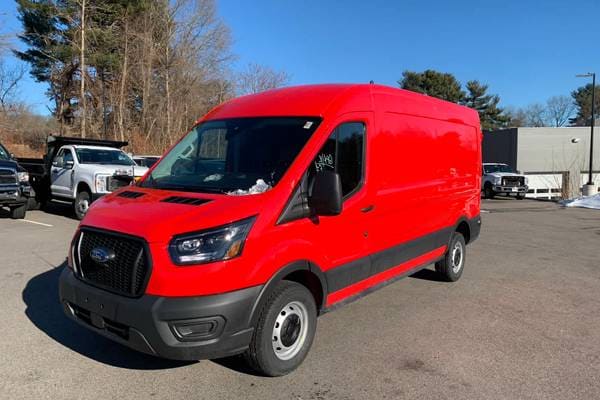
(67, 156)
(58, 160)
(343, 153)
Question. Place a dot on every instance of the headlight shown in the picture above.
(497, 180)
(526, 181)
(223, 243)
(23, 177)
(101, 183)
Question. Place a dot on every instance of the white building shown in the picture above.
(547, 156)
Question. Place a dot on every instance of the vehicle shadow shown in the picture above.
(428, 275)
(59, 209)
(45, 312)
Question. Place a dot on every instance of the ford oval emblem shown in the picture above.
(102, 254)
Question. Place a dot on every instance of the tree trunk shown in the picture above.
(123, 80)
(82, 70)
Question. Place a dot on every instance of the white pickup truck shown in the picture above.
(80, 171)
(501, 178)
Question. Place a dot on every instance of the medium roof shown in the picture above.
(318, 100)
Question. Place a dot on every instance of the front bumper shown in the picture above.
(510, 189)
(161, 326)
(15, 195)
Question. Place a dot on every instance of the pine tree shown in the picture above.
(490, 115)
(583, 104)
(433, 83)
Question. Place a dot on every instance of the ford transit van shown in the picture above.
(274, 209)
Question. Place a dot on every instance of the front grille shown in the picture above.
(116, 182)
(513, 181)
(7, 177)
(126, 273)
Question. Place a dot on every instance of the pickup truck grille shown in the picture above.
(117, 182)
(126, 273)
(7, 177)
(513, 181)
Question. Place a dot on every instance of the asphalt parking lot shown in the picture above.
(522, 323)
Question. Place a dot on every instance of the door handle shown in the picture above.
(368, 208)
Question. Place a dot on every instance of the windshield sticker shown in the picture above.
(324, 161)
(308, 124)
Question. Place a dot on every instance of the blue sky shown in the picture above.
(526, 50)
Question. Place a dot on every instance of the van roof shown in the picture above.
(320, 100)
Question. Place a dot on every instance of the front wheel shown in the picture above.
(82, 204)
(18, 212)
(285, 330)
(451, 266)
(520, 196)
(488, 192)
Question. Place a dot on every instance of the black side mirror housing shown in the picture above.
(326, 195)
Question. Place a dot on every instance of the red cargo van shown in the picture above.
(272, 210)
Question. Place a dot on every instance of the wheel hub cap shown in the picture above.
(457, 257)
(290, 330)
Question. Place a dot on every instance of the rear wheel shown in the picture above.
(82, 204)
(452, 265)
(284, 332)
(18, 212)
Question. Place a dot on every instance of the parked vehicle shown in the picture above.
(146, 161)
(501, 178)
(15, 189)
(80, 171)
(272, 210)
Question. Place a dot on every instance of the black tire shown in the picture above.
(81, 204)
(33, 204)
(488, 192)
(18, 212)
(520, 196)
(451, 268)
(297, 336)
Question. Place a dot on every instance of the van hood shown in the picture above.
(110, 169)
(152, 218)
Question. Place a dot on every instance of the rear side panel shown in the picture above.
(424, 177)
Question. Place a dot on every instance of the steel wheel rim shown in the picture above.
(457, 257)
(84, 205)
(290, 330)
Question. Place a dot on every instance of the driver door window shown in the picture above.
(343, 153)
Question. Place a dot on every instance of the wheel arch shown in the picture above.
(303, 272)
(462, 226)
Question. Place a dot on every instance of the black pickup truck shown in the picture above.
(15, 190)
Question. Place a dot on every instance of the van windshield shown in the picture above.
(233, 156)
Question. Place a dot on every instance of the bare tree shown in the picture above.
(258, 78)
(559, 109)
(9, 82)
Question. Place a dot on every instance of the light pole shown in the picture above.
(590, 181)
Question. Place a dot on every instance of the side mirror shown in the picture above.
(69, 164)
(12, 156)
(58, 162)
(326, 195)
